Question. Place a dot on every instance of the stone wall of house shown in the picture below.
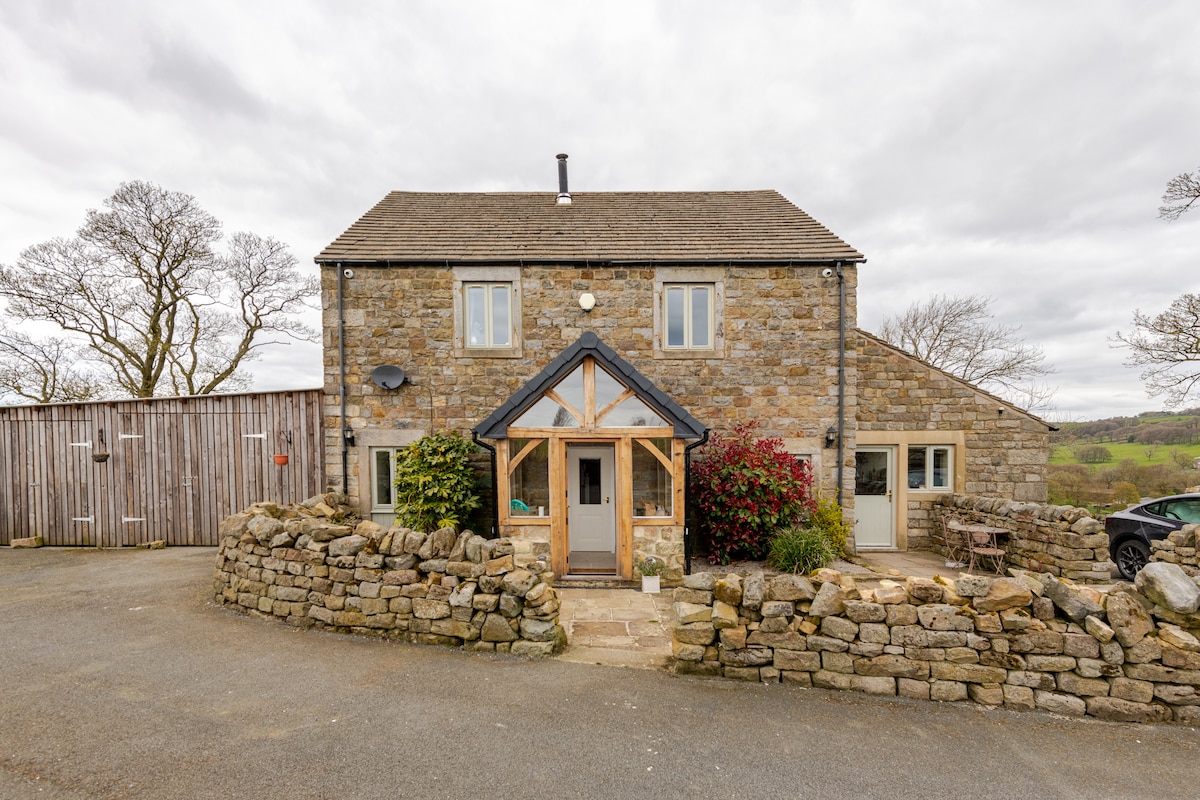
(315, 565)
(1024, 643)
(1005, 451)
(1064, 541)
(780, 326)
(1179, 548)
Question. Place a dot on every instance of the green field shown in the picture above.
(1064, 454)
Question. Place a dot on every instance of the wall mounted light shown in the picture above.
(587, 301)
(831, 437)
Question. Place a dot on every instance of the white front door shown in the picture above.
(591, 521)
(874, 490)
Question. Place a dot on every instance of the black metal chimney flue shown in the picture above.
(563, 196)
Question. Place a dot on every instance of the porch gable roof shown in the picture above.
(496, 425)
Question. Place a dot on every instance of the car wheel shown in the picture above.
(1132, 555)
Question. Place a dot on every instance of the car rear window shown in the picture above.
(1187, 510)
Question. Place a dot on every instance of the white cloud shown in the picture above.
(1017, 149)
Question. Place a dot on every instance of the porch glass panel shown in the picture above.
(608, 388)
(652, 485)
(633, 413)
(546, 413)
(529, 480)
(570, 388)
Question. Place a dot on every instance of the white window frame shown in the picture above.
(690, 304)
(387, 507)
(488, 290)
(488, 278)
(689, 279)
(927, 485)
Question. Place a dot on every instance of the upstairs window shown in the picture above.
(688, 316)
(488, 314)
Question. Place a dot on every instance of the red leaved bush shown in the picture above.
(745, 489)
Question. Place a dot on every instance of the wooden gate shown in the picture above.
(120, 473)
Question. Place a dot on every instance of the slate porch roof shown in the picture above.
(529, 227)
(589, 344)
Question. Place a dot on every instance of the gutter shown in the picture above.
(595, 262)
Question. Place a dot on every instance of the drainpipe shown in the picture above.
(688, 516)
(841, 426)
(341, 308)
(495, 488)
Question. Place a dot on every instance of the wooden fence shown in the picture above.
(120, 473)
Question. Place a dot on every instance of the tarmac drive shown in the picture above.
(122, 679)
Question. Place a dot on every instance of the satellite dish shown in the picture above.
(387, 376)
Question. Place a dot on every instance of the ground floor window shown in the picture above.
(930, 467)
(383, 471)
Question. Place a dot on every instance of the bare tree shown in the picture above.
(44, 371)
(957, 334)
(1183, 192)
(142, 289)
(1168, 348)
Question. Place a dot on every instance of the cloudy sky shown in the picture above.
(1013, 149)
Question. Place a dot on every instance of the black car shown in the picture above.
(1131, 531)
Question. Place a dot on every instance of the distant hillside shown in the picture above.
(1149, 427)
(1108, 463)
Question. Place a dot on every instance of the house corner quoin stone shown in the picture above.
(315, 564)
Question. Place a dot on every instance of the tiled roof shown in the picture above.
(418, 227)
(589, 344)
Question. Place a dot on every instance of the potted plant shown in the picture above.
(281, 456)
(651, 569)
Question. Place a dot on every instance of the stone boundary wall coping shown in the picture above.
(1064, 541)
(314, 564)
(1025, 642)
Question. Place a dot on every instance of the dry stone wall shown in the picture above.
(1064, 541)
(1179, 548)
(315, 564)
(1031, 641)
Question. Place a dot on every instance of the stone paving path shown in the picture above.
(616, 627)
(625, 628)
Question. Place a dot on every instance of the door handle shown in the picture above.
(606, 500)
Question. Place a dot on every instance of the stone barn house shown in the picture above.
(591, 340)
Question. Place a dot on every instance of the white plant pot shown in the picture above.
(650, 584)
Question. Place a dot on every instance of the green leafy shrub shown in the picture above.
(829, 519)
(746, 488)
(800, 550)
(435, 483)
